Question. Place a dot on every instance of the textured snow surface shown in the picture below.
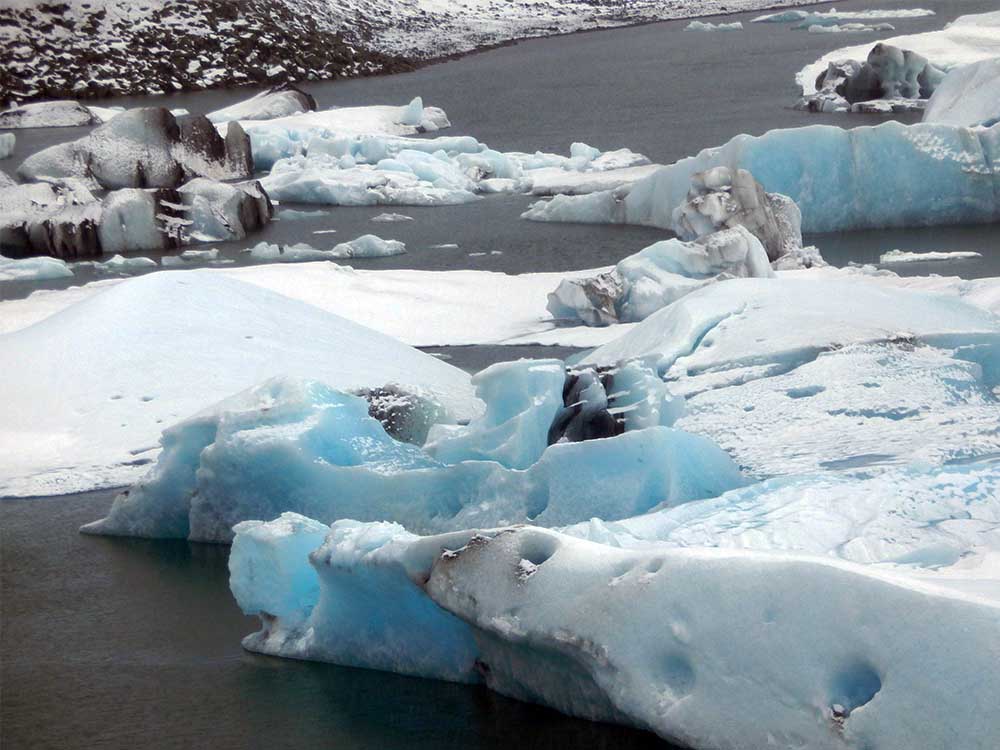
(967, 39)
(868, 177)
(110, 371)
(968, 95)
(537, 615)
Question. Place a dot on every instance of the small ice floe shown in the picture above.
(905, 256)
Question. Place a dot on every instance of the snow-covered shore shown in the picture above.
(195, 45)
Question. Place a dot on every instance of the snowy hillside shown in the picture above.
(84, 49)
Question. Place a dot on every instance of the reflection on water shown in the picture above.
(114, 643)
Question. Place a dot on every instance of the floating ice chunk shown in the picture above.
(103, 114)
(146, 148)
(288, 136)
(121, 264)
(279, 101)
(291, 214)
(389, 218)
(840, 179)
(968, 95)
(848, 28)
(657, 276)
(33, 269)
(493, 605)
(7, 141)
(56, 114)
(965, 40)
(785, 16)
(366, 246)
(903, 256)
(709, 26)
(202, 255)
(335, 461)
(216, 212)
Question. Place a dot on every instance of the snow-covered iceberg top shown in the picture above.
(905, 256)
(283, 100)
(967, 39)
(67, 426)
(33, 269)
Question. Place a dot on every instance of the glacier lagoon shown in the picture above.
(256, 694)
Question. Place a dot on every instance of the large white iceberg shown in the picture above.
(33, 269)
(968, 95)
(884, 176)
(112, 369)
(967, 39)
(540, 616)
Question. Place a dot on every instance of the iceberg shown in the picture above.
(33, 269)
(287, 136)
(57, 114)
(93, 421)
(536, 615)
(969, 95)
(301, 446)
(840, 179)
(388, 218)
(967, 39)
(366, 246)
(121, 264)
(146, 148)
(903, 256)
(709, 26)
(659, 275)
(278, 101)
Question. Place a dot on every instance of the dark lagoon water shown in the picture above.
(110, 643)
(128, 643)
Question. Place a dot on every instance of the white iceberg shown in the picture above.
(659, 275)
(365, 246)
(709, 26)
(903, 256)
(388, 218)
(537, 615)
(33, 269)
(283, 100)
(967, 39)
(968, 95)
(121, 264)
(57, 114)
(151, 349)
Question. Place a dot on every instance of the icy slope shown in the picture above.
(969, 95)
(99, 380)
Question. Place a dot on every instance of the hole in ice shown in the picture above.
(749, 407)
(805, 391)
(537, 548)
(853, 687)
(621, 569)
(678, 674)
(116, 397)
(147, 399)
(653, 566)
